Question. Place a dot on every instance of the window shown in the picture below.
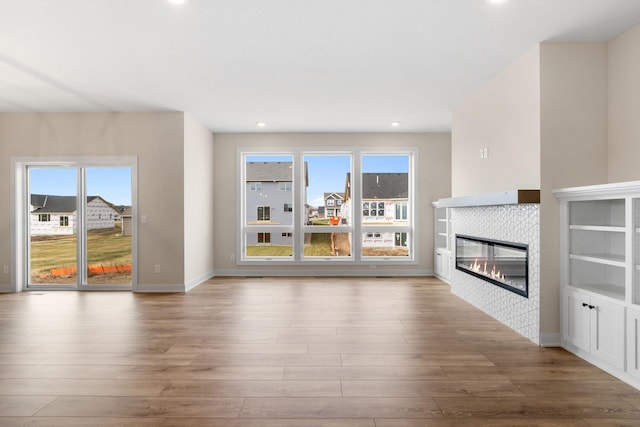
(64, 221)
(44, 217)
(386, 181)
(284, 186)
(373, 209)
(401, 211)
(264, 213)
(267, 206)
(401, 239)
(354, 191)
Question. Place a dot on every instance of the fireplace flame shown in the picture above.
(494, 274)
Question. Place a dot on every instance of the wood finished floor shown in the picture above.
(310, 352)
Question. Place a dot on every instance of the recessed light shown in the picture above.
(496, 1)
(395, 124)
(177, 1)
(261, 124)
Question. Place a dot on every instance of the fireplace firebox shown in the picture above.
(504, 264)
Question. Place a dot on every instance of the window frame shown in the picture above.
(261, 217)
(300, 227)
(285, 186)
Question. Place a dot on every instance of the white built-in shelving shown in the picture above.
(442, 242)
(600, 276)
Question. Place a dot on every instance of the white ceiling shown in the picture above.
(298, 65)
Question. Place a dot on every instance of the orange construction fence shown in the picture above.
(95, 269)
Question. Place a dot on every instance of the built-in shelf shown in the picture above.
(512, 197)
(607, 290)
(600, 275)
(597, 228)
(614, 260)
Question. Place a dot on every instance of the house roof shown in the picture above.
(44, 203)
(269, 171)
(334, 196)
(385, 185)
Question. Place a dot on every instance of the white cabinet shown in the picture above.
(595, 325)
(442, 264)
(600, 275)
(442, 243)
(633, 342)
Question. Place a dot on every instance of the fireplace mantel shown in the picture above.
(512, 197)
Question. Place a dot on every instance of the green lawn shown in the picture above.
(320, 246)
(269, 250)
(106, 247)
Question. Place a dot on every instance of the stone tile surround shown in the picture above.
(519, 223)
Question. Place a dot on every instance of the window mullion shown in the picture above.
(356, 205)
(299, 189)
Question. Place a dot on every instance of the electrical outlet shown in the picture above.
(5, 269)
(232, 257)
(157, 268)
(482, 153)
(485, 152)
(143, 219)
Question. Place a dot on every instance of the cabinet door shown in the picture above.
(446, 257)
(438, 263)
(607, 331)
(633, 343)
(577, 320)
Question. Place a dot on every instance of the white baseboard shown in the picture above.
(198, 281)
(164, 287)
(550, 340)
(326, 272)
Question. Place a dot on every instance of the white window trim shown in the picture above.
(298, 228)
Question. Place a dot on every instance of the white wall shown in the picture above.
(573, 149)
(624, 107)
(199, 190)
(157, 141)
(504, 116)
(434, 174)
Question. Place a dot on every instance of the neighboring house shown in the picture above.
(56, 215)
(333, 203)
(269, 200)
(385, 199)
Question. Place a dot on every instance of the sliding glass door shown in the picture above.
(53, 235)
(79, 226)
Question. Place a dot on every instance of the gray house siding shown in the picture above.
(268, 188)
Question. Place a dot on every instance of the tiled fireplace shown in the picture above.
(519, 224)
(504, 264)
